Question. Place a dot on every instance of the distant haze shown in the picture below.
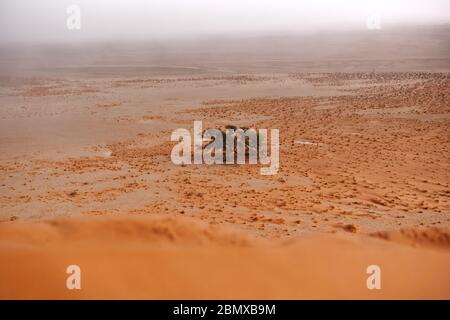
(44, 21)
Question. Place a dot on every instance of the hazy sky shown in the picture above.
(45, 20)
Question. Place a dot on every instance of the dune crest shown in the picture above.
(118, 231)
(420, 237)
(129, 258)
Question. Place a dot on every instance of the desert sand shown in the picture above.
(86, 176)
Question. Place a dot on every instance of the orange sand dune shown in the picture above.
(364, 180)
(178, 258)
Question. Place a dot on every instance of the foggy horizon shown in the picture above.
(158, 21)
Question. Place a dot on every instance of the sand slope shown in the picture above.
(162, 258)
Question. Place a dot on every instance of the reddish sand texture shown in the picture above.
(168, 258)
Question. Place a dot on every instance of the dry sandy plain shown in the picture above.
(86, 176)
